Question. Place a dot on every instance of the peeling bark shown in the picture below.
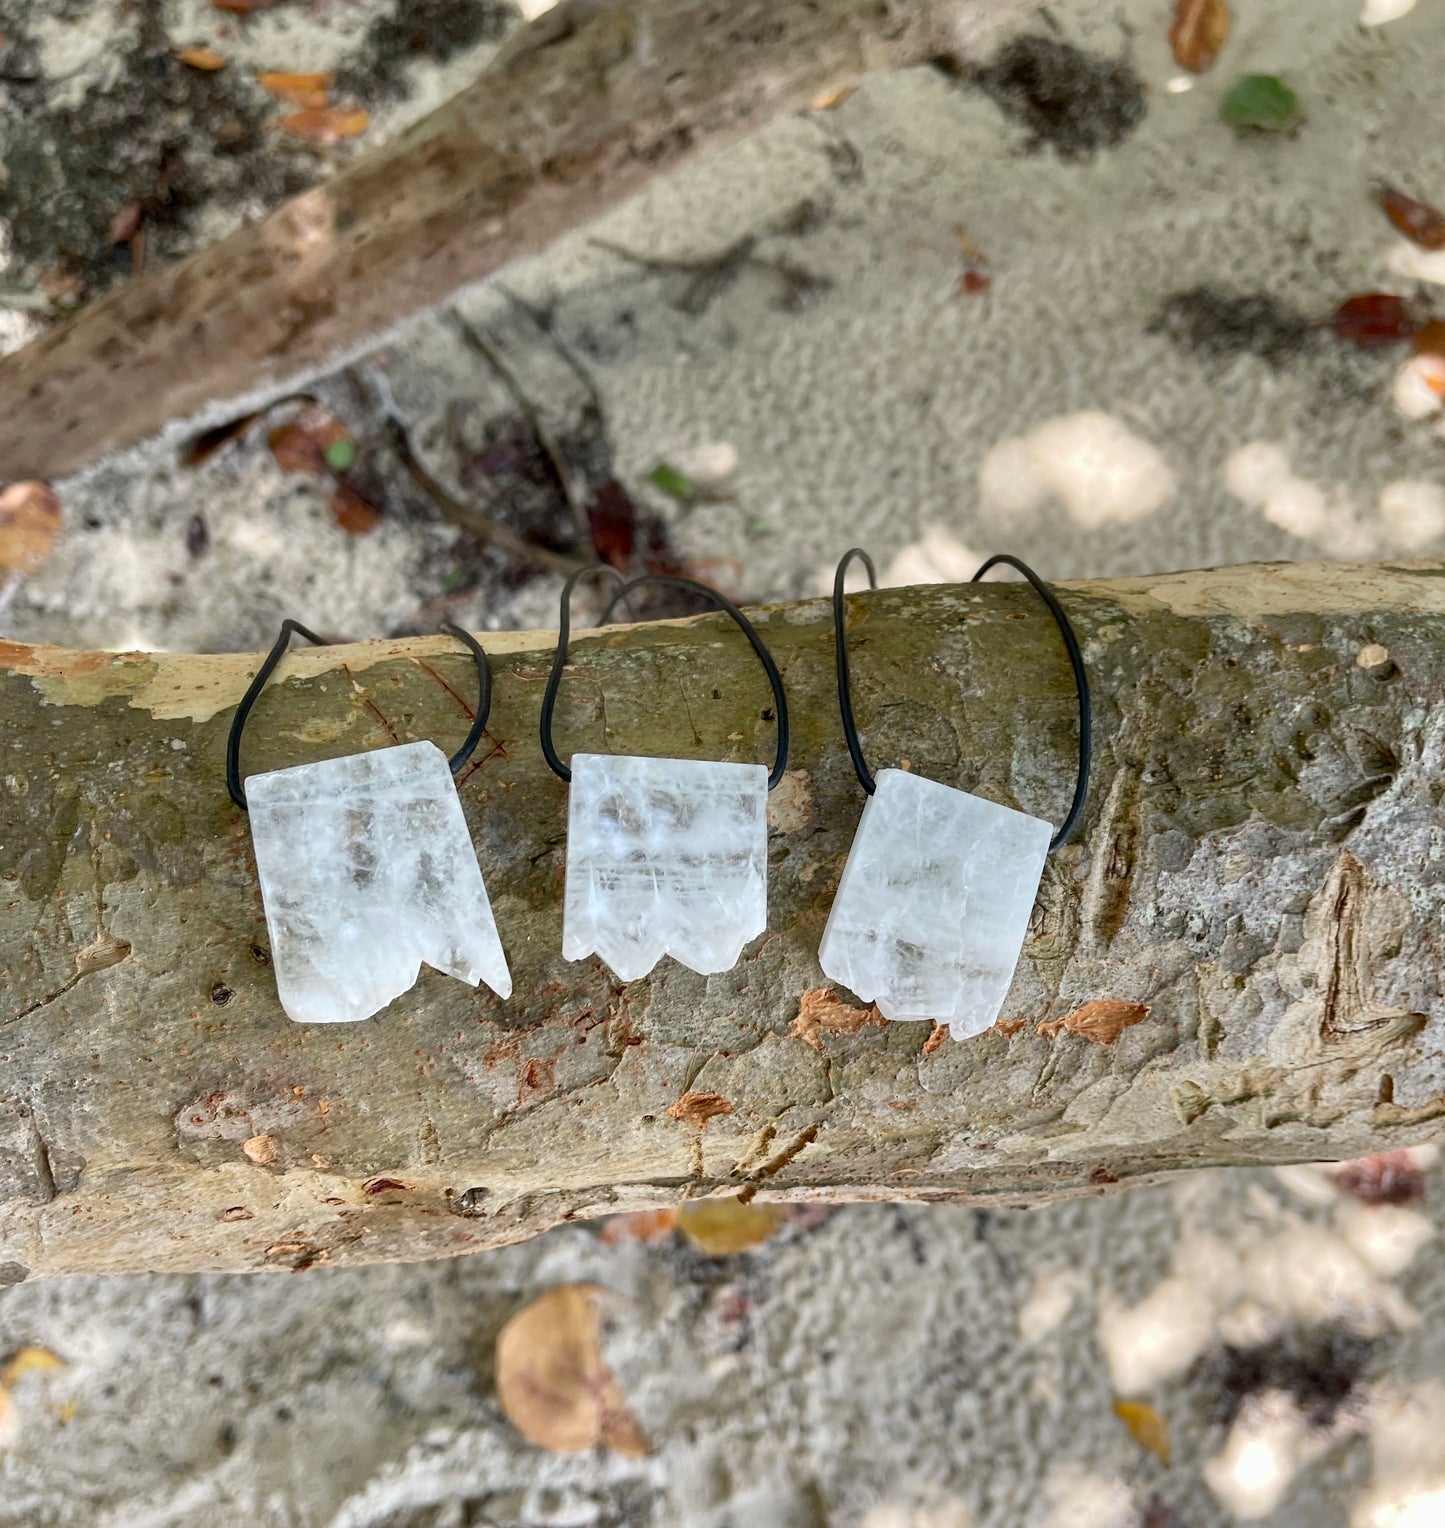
(580, 110)
(1279, 911)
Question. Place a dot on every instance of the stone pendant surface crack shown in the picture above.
(664, 857)
(934, 903)
(367, 869)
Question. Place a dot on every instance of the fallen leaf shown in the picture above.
(612, 520)
(1149, 1429)
(28, 1360)
(675, 484)
(1431, 338)
(552, 1381)
(30, 521)
(1102, 1022)
(208, 442)
(1261, 103)
(725, 1226)
(830, 99)
(1390, 1177)
(696, 1109)
(352, 512)
(309, 90)
(261, 1149)
(822, 1011)
(301, 445)
(1372, 319)
(650, 1227)
(374, 1186)
(1200, 30)
(326, 124)
(207, 60)
(1418, 221)
(974, 283)
(242, 7)
(125, 224)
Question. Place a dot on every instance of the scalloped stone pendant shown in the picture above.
(664, 857)
(934, 903)
(367, 869)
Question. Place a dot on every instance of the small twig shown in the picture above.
(458, 511)
(556, 457)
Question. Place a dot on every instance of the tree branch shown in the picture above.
(1255, 894)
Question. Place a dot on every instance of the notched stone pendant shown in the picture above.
(934, 903)
(367, 869)
(664, 857)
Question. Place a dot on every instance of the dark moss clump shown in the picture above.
(1071, 101)
(417, 29)
(1219, 325)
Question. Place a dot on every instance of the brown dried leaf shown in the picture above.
(326, 124)
(242, 7)
(30, 521)
(1148, 1428)
(207, 60)
(1102, 1022)
(28, 1360)
(301, 445)
(552, 1381)
(1391, 1177)
(309, 90)
(830, 100)
(696, 1109)
(261, 1149)
(1199, 32)
(650, 1227)
(1431, 338)
(724, 1226)
(1372, 319)
(822, 1011)
(352, 512)
(1418, 221)
(125, 225)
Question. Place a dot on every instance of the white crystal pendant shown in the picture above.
(665, 857)
(934, 903)
(367, 869)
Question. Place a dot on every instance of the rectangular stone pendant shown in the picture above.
(367, 869)
(664, 857)
(934, 903)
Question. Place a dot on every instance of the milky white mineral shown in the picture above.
(934, 903)
(367, 869)
(664, 857)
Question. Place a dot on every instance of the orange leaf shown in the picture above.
(327, 124)
(351, 512)
(1418, 221)
(1431, 338)
(309, 90)
(31, 1360)
(1149, 1429)
(30, 521)
(1102, 1022)
(205, 59)
(301, 445)
(1200, 30)
(830, 100)
(646, 1226)
(552, 1380)
(242, 7)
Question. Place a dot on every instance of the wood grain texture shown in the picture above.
(578, 111)
(1259, 869)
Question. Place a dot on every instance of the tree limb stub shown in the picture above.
(1256, 901)
(581, 109)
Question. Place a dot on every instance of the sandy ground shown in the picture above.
(1143, 386)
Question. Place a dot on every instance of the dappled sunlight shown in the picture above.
(1266, 1448)
(1407, 1488)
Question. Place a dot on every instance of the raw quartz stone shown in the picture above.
(665, 857)
(367, 869)
(934, 903)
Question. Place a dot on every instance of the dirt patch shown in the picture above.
(1074, 102)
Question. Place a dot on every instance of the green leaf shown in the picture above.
(340, 454)
(1262, 103)
(675, 484)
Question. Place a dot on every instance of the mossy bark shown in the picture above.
(1259, 868)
